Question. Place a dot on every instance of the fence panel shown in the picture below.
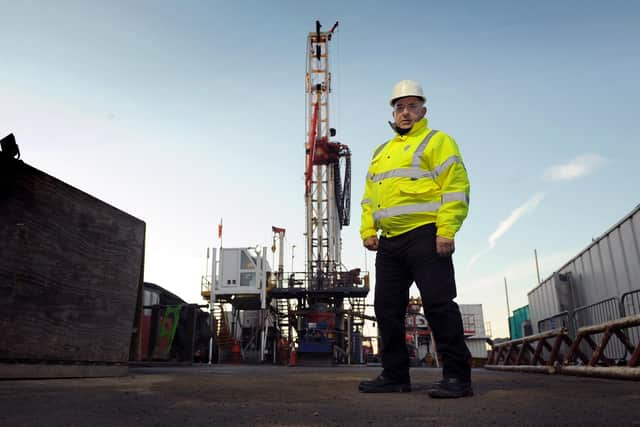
(597, 313)
(557, 321)
(629, 306)
(560, 320)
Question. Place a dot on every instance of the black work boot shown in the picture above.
(449, 388)
(381, 384)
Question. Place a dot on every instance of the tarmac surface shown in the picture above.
(242, 395)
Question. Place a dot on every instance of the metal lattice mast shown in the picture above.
(322, 221)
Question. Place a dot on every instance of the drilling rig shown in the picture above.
(325, 304)
(317, 313)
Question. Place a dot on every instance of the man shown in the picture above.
(416, 195)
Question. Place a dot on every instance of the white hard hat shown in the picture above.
(406, 88)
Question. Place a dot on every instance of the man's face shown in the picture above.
(407, 111)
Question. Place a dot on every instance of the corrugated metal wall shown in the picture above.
(543, 302)
(607, 268)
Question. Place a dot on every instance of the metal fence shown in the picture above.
(629, 306)
(560, 320)
(600, 312)
(555, 322)
(630, 303)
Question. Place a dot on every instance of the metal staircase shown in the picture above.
(283, 308)
(226, 344)
(357, 311)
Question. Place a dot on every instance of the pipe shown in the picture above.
(535, 254)
(349, 339)
(280, 257)
(611, 372)
(614, 372)
(523, 368)
(531, 338)
(312, 149)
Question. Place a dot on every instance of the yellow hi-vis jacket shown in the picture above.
(413, 180)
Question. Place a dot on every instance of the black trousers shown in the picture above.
(400, 261)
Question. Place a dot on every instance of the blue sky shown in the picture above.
(181, 113)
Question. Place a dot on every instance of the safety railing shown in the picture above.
(520, 355)
(536, 353)
(340, 279)
(294, 280)
(598, 364)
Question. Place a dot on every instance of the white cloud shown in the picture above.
(580, 166)
(505, 225)
(477, 256)
(518, 213)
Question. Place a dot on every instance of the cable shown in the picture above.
(343, 189)
(347, 190)
(338, 191)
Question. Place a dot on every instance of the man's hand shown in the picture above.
(444, 246)
(371, 243)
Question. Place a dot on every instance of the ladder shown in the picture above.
(224, 341)
(357, 309)
(282, 310)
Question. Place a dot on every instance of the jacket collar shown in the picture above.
(418, 127)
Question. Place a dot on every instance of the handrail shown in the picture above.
(520, 352)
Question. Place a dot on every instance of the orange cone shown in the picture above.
(236, 355)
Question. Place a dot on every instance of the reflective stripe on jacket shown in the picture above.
(413, 180)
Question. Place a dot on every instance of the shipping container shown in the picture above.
(519, 323)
